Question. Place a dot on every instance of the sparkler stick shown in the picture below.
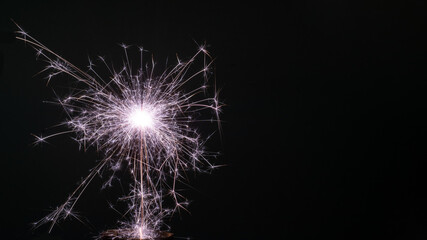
(139, 119)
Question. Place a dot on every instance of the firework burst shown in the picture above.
(139, 119)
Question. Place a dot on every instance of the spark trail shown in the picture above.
(136, 118)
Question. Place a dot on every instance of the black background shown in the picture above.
(324, 132)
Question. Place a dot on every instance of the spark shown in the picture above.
(39, 139)
(136, 117)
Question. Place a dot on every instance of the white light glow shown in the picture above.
(140, 118)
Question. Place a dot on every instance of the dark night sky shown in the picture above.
(324, 131)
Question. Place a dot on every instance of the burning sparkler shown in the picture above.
(139, 119)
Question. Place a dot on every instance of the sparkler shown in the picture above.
(140, 120)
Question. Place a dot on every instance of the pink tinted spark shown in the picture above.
(141, 119)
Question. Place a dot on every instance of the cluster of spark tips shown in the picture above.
(139, 120)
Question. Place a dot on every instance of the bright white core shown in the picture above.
(140, 118)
